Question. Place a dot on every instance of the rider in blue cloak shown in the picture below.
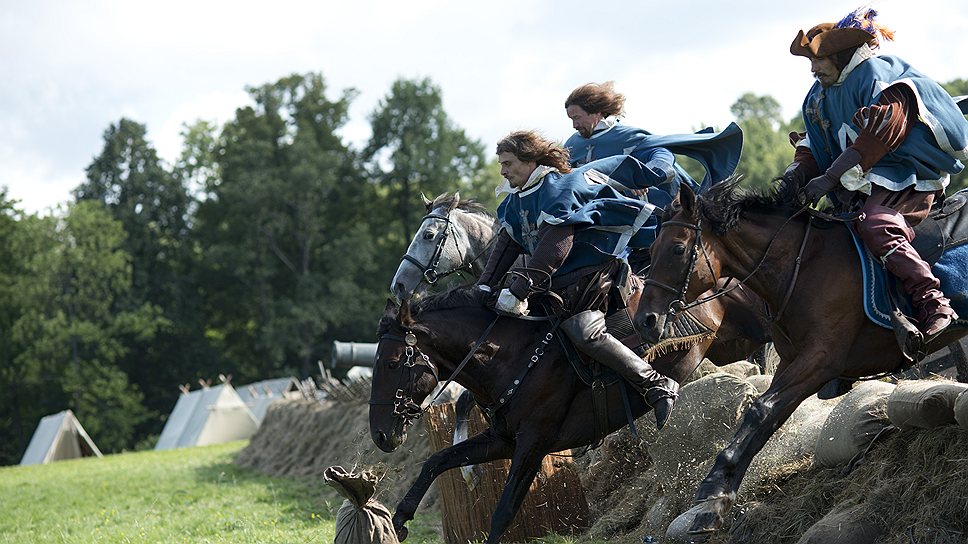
(596, 112)
(575, 226)
(883, 137)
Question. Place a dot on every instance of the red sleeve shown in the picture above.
(885, 125)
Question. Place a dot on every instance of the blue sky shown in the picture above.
(72, 68)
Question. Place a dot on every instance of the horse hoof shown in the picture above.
(402, 533)
(697, 523)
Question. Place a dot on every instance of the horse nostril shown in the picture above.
(649, 322)
(381, 437)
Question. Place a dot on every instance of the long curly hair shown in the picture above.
(598, 98)
(529, 146)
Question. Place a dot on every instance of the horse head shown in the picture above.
(451, 239)
(682, 267)
(403, 376)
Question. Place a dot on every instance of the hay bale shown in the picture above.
(961, 409)
(853, 424)
(924, 404)
(302, 438)
(912, 486)
(555, 503)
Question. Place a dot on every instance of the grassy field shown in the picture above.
(193, 495)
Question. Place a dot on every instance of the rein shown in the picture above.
(679, 304)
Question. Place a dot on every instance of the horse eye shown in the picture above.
(428, 235)
(679, 249)
(392, 365)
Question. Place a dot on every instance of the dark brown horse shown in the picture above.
(549, 410)
(820, 329)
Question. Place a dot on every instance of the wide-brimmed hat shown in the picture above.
(853, 31)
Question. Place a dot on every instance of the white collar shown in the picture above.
(536, 176)
(605, 124)
(862, 53)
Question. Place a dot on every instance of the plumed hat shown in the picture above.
(853, 31)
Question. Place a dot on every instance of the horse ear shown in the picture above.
(426, 201)
(391, 307)
(403, 315)
(687, 199)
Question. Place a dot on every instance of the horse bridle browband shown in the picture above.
(403, 405)
(429, 270)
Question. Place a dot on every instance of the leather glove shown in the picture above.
(829, 180)
(510, 304)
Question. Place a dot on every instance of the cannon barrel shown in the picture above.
(349, 354)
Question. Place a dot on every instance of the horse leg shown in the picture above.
(480, 448)
(524, 467)
(717, 492)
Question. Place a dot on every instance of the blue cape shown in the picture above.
(605, 221)
(717, 152)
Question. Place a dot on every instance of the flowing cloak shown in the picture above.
(932, 150)
(717, 152)
(606, 223)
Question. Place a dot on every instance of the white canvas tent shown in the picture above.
(258, 396)
(212, 415)
(59, 436)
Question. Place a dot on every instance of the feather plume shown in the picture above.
(863, 18)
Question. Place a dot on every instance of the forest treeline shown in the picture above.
(268, 238)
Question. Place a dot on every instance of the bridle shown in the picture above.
(403, 404)
(679, 304)
(429, 270)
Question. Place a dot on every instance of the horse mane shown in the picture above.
(463, 296)
(458, 297)
(456, 202)
(723, 204)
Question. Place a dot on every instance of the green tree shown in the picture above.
(284, 230)
(154, 208)
(766, 147)
(70, 334)
(14, 429)
(415, 148)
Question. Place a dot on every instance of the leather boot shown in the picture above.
(934, 312)
(888, 236)
(587, 330)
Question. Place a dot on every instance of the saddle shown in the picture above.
(942, 241)
(942, 229)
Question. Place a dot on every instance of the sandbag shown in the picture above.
(360, 520)
(924, 404)
(795, 440)
(843, 525)
(760, 381)
(853, 424)
(705, 417)
(961, 409)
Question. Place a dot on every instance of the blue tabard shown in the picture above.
(605, 222)
(934, 147)
(718, 153)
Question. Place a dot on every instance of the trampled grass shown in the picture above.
(192, 496)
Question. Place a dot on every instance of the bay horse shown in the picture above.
(811, 281)
(519, 375)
